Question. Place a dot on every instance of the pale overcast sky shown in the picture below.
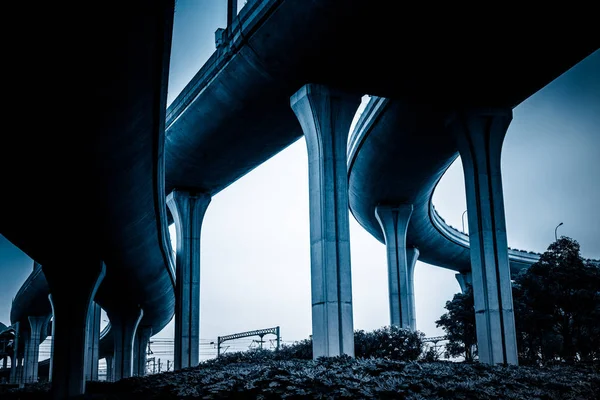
(255, 262)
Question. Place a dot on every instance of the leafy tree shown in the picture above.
(557, 306)
(459, 325)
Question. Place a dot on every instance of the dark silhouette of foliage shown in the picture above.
(557, 307)
(343, 378)
(459, 325)
(301, 350)
(431, 354)
(390, 342)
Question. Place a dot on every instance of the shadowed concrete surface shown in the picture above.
(86, 176)
(234, 114)
(104, 170)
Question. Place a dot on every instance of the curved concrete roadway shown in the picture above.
(397, 153)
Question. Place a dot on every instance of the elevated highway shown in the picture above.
(235, 112)
(397, 154)
(234, 115)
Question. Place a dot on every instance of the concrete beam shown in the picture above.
(394, 223)
(124, 326)
(325, 116)
(188, 209)
(93, 342)
(70, 305)
(479, 136)
(140, 349)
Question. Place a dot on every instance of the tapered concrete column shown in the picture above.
(464, 279)
(188, 209)
(325, 116)
(51, 343)
(394, 223)
(479, 135)
(93, 342)
(12, 365)
(14, 362)
(22, 371)
(32, 350)
(20, 368)
(140, 349)
(70, 305)
(124, 325)
(110, 362)
(412, 255)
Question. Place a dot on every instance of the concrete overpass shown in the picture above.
(233, 116)
(397, 154)
(86, 196)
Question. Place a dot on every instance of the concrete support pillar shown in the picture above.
(188, 209)
(124, 325)
(464, 279)
(140, 349)
(110, 362)
(325, 116)
(51, 343)
(32, 351)
(4, 362)
(20, 367)
(22, 371)
(14, 362)
(479, 136)
(70, 306)
(412, 255)
(93, 342)
(12, 366)
(394, 224)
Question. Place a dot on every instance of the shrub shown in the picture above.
(298, 350)
(389, 342)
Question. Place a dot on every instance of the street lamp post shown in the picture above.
(556, 237)
(463, 220)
